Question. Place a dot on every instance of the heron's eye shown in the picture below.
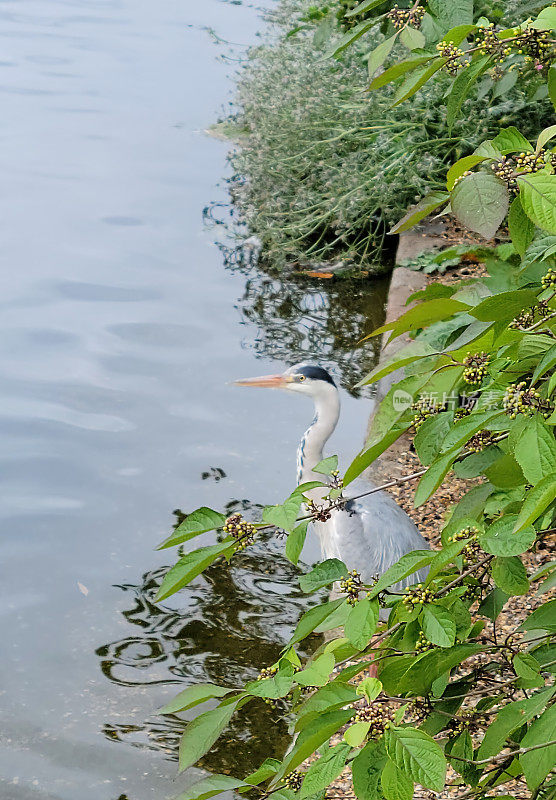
(301, 377)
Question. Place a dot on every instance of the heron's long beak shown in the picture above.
(266, 381)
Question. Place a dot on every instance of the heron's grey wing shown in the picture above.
(372, 533)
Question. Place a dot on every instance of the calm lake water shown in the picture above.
(122, 325)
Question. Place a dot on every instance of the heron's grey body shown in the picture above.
(370, 533)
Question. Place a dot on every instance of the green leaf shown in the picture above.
(535, 450)
(480, 202)
(452, 13)
(521, 228)
(414, 82)
(412, 38)
(366, 769)
(509, 718)
(538, 763)
(536, 501)
(188, 568)
(542, 618)
(200, 521)
(312, 618)
(430, 436)
(423, 671)
(361, 622)
(461, 166)
(318, 672)
(538, 198)
(493, 604)
(546, 19)
(417, 754)
(371, 453)
(369, 687)
(192, 696)
(545, 136)
(380, 54)
(321, 773)
(201, 734)
(366, 5)
(397, 70)
(296, 540)
(313, 736)
(323, 574)
(214, 784)
(284, 516)
(421, 210)
(334, 695)
(510, 575)
(327, 466)
(504, 305)
(510, 140)
(351, 36)
(405, 566)
(552, 85)
(462, 86)
(276, 686)
(548, 361)
(528, 669)
(500, 540)
(433, 477)
(422, 315)
(356, 734)
(438, 625)
(396, 784)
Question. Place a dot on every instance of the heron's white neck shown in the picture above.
(309, 452)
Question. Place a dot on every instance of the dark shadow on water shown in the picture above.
(231, 621)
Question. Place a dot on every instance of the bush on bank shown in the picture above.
(325, 167)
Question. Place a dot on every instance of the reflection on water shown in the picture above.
(231, 621)
(297, 318)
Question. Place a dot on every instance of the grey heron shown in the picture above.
(369, 533)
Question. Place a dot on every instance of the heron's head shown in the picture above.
(307, 379)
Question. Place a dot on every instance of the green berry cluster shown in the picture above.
(476, 366)
(268, 672)
(519, 400)
(294, 780)
(504, 169)
(417, 596)
(472, 549)
(468, 720)
(529, 316)
(422, 644)
(241, 530)
(351, 585)
(461, 412)
(548, 281)
(536, 47)
(421, 707)
(479, 441)
(488, 44)
(378, 714)
(453, 53)
(530, 162)
(425, 408)
(400, 17)
(472, 592)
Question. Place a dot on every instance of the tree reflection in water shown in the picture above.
(294, 317)
(232, 621)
